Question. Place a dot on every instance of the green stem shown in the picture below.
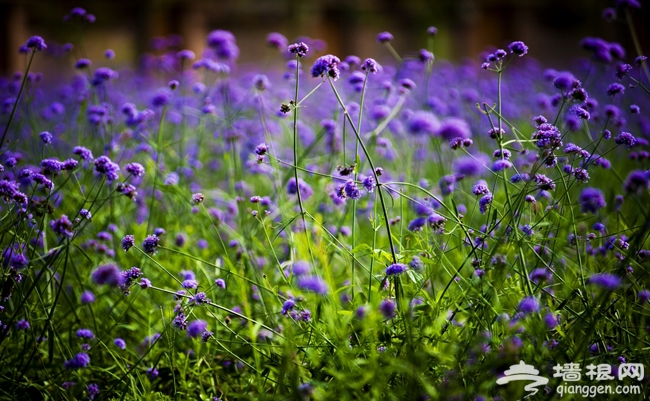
(22, 86)
(295, 161)
(372, 166)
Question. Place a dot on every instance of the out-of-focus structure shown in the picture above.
(551, 28)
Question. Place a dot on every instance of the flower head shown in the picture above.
(529, 305)
(387, 308)
(300, 49)
(396, 269)
(104, 166)
(591, 200)
(107, 274)
(605, 281)
(313, 284)
(150, 244)
(384, 37)
(87, 297)
(518, 48)
(79, 361)
(326, 65)
(371, 66)
(37, 43)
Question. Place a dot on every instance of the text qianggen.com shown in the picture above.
(592, 390)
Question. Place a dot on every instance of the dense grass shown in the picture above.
(345, 231)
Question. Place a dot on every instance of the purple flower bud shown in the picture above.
(384, 37)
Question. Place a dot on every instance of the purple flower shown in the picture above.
(92, 389)
(300, 49)
(79, 361)
(150, 244)
(62, 226)
(190, 284)
(87, 297)
(425, 56)
(529, 305)
(152, 373)
(277, 40)
(615, 88)
(82, 63)
(288, 306)
(605, 281)
(313, 284)
(384, 37)
(46, 137)
(185, 55)
(406, 83)
(454, 128)
(371, 66)
(643, 296)
(300, 268)
(423, 123)
(127, 242)
(518, 48)
(351, 190)
(196, 328)
(437, 222)
(326, 65)
(107, 274)
(82, 152)
(564, 81)
(103, 75)
(223, 43)
(582, 113)
(369, 183)
(501, 165)
(220, 283)
(104, 166)
(396, 269)
(591, 200)
(625, 138)
(628, 3)
(199, 299)
(22, 325)
(305, 189)
(550, 320)
(85, 333)
(387, 308)
(135, 169)
(119, 343)
(636, 182)
(484, 202)
(37, 43)
(51, 166)
(527, 229)
(417, 224)
(469, 166)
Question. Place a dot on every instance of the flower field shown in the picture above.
(337, 229)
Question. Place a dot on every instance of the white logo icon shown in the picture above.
(524, 372)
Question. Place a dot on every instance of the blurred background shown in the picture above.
(551, 28)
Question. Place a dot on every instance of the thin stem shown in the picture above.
(295, 160)
(635, 40)
(372, 166)
(22, 86)
(156, 167)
